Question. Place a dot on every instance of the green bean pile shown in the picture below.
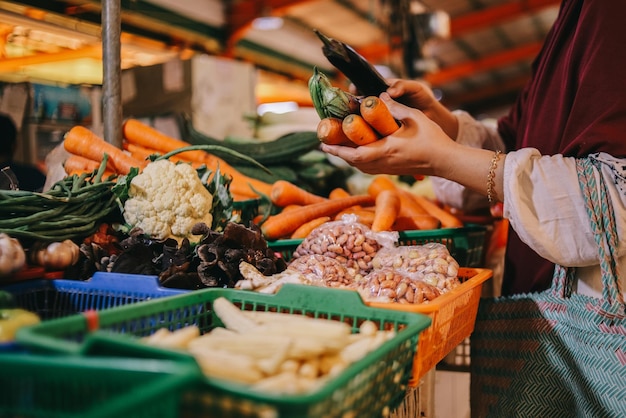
(73, 208)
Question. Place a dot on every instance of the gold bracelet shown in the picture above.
(492, 195)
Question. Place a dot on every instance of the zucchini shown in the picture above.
(283, 149)
(276, 172)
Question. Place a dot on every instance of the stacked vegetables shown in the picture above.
(347, 119)
(143, 190)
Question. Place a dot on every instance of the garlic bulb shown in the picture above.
(12, 255)
(55, 255)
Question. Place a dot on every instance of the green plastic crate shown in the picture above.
(35, 386)
(465, 244)
(368, 387)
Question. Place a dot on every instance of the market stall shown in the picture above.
(112, 243)
(190, 221)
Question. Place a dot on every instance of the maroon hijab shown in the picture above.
(574, 104)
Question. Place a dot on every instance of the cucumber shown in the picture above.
(283, 149)
(277, 172)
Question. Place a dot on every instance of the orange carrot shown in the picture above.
(285, 193)
(284, 223)
(387, 210)
(447, 219)
(138, 133)
(142, 153)
(358, 130)
(338, 192)
(290, 207)
(377, 115)
(330, 131)
(409, 207)
(403, 223)
(258, 219)
(83, 142)
(139, 152)
(380, 183)
(305, 229)
(75, 163)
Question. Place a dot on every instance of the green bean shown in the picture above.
(62, 194)
(78, 182)
(31, 219)
(93, 213)
(32, 198)
(12, 194)
(97, 177)
(62, 226)
(20, 210)
(56, 235)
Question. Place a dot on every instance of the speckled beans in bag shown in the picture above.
(325, 270)
(349, 242)
(388, 284)
(431, 263)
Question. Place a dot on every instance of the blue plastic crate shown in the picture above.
(55, 298)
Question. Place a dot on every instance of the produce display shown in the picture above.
(273, 352)
(347, 254)
(173, 216)
(165, 207)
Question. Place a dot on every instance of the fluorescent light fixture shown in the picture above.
(277, 107)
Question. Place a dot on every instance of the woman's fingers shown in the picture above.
(407, 116)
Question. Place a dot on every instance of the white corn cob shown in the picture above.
(224, 365)
(232, 317)
(179, 338)
(256, 345)
(297, 325)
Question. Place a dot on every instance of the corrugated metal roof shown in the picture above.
(483, 63)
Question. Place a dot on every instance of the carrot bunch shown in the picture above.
(372, 122)
(81, 142)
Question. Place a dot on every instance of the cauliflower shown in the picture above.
(166, 200)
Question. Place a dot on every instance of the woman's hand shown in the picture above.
(420, 96)
(419, 147)
(415, 148)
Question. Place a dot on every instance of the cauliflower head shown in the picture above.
(166, 200)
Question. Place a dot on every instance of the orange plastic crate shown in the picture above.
(453, 317)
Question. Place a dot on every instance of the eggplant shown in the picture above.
(367, 80)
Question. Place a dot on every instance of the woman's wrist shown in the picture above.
(446, 120)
